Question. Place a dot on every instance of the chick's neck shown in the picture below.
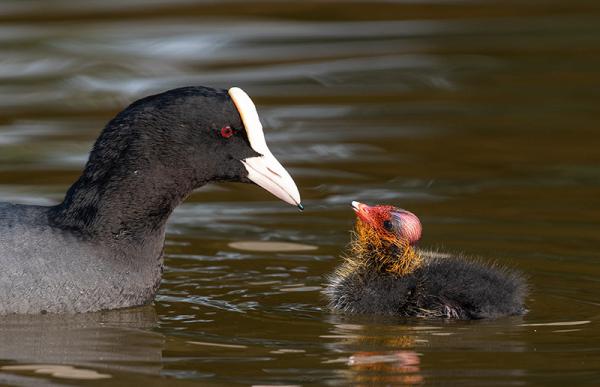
(383, 251)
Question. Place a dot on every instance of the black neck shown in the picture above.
(148, 159)
(131, 207)
(126, 191)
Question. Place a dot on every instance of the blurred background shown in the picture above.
(479, 116)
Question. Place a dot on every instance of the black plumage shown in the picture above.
(371, 281)
(102, 247)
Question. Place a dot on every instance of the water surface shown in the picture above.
(481, 117)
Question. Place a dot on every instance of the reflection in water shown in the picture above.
(398, 368)
(82, 346)
(391, 358)
(58, 371)
(392, 351)
(270, 246)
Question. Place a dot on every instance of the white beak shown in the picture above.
(263, 170)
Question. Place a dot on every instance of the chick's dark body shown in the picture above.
(442, 287)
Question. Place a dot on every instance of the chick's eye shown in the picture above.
(388, 225)
(226, 131)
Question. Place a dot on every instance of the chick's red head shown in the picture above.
(389, 221)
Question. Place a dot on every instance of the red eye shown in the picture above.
(226, 131)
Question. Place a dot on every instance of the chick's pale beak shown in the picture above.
(361, 210)
(264, 170)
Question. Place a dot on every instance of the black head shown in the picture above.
(157, 150)
(202, 133)
(194, 130)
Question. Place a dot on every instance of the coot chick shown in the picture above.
(384, 273)
(102, 247)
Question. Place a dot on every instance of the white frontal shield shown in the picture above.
(263, 170)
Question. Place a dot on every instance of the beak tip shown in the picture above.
(300, 207)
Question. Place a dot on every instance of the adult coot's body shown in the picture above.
(385, 274)
(101, 248)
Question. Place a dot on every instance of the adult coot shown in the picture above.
(384, 273)
(102, 247)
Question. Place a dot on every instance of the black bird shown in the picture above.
(102, 247)
(384, 273)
